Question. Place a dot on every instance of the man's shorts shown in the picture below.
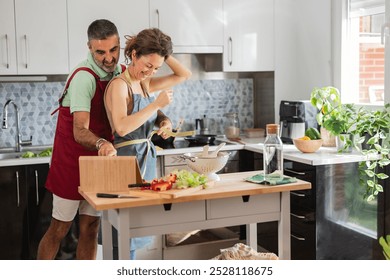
(65, 209)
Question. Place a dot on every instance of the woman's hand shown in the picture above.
(165, 125)
(164, 98)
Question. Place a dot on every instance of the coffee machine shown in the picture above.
(295, 118)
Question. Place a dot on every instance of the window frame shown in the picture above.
(341, 51)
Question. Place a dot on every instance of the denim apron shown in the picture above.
(138, 143)
(144, 150)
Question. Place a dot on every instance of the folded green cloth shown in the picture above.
(272, 179)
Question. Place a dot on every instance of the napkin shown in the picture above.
(272, 179)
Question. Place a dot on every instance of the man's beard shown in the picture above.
(105, 67)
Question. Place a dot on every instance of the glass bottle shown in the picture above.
(232, 125)
(273, 151)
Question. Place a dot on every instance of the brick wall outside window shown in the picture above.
(371, 72)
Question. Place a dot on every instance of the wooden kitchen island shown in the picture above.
(231, 201)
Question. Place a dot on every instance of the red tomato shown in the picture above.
(161, 186)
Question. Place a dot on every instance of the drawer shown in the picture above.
(303, 241)
(174, 160)
(303, 216)
(157, 215)
(235, 206)
(303, 199)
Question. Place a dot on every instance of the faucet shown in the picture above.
(18, 139)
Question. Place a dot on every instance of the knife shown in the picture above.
(139, 185)
(110, 195)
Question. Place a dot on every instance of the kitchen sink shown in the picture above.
(11, 155)
(8, 153)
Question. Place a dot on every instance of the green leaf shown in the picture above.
(382, 176)
(372, 166)
(370, 183)
(379, 188)
(370, 173)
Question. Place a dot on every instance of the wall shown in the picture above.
(371, 73)
(303, 51)
(192, 100)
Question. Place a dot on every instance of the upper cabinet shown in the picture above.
(129, 16)
(7, 38)
(33, 40)
(194, 26)
(248, 35)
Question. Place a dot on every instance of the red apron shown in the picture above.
(64, 178)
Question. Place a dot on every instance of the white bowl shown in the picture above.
(207, 166)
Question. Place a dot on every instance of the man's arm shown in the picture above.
(86, 138)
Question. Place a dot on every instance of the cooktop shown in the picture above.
(182, 143)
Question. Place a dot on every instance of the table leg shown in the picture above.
(284, 228)
(124, 234)
(106, 237)
(251, 236)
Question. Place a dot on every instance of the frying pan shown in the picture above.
(163, 143)
(201, 139)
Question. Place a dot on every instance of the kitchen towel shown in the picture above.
(273, 179)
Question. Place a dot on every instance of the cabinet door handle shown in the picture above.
(230, 51)
(298, 194)
(298, 216)
(300, 238)
(7, 50)
(37, 187)
(17, 188)
(26, 46)
(295, 172)
(158, 18)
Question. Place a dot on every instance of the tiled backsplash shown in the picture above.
(193, 99)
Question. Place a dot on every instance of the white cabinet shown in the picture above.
(248, 35)
(33, 40)
(7, 38)
(194, 26)
(129, 16)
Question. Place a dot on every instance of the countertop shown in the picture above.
(17, 160)
(324, 156)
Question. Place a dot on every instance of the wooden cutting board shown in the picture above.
(108, 174)
(170, 194)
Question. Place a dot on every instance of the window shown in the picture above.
(362, 55)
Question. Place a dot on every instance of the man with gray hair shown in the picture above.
(82, 130)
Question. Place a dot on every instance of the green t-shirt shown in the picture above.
(82, 88)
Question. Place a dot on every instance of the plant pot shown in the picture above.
(342, 143)
(328, 139)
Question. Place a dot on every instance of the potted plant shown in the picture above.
(369, 130)
(385, 243)
(372, 139)
(336, 118)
